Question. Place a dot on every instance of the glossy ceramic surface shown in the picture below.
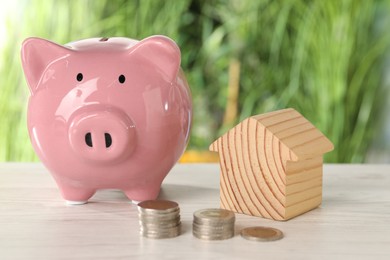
(107, 113)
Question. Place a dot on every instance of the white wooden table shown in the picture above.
(352, 223)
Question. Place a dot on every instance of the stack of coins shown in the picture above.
(159, 218)
(213, 224)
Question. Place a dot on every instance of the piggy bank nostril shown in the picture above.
(108, 139)
(88, 139)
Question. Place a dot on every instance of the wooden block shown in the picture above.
(271, 165)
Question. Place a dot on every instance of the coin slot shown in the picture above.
(104, 39)
(88, 139)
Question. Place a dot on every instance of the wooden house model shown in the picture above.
(271, 165)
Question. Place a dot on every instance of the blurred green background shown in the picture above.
(327, 59)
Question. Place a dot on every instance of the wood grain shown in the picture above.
(271, 165)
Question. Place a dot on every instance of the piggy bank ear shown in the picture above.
(160, 52)
(37, 54)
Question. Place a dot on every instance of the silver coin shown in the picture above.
(212, 223)
(159, 216)
(160, 221)
(213, 231)
(213, 226)
(213, 237)
(160, 232)
(158, 235)
(261, 234)
(210, 230)
(159, 213)
(159, 227)
(155, 206)
(159, 224)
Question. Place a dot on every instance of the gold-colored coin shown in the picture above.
(213, 216)
(261, 234)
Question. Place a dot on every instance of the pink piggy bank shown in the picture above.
(107, 113)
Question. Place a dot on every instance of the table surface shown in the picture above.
(352, 222)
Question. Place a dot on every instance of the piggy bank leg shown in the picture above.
(148, 192)
(75, 196)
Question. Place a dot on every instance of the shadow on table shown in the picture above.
(187, 193)
(175, 192)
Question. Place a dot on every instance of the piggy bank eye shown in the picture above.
(122, 79)
(79, 77)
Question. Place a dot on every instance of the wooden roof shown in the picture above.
(295, 132)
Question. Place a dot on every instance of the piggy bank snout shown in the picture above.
(102, 136)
